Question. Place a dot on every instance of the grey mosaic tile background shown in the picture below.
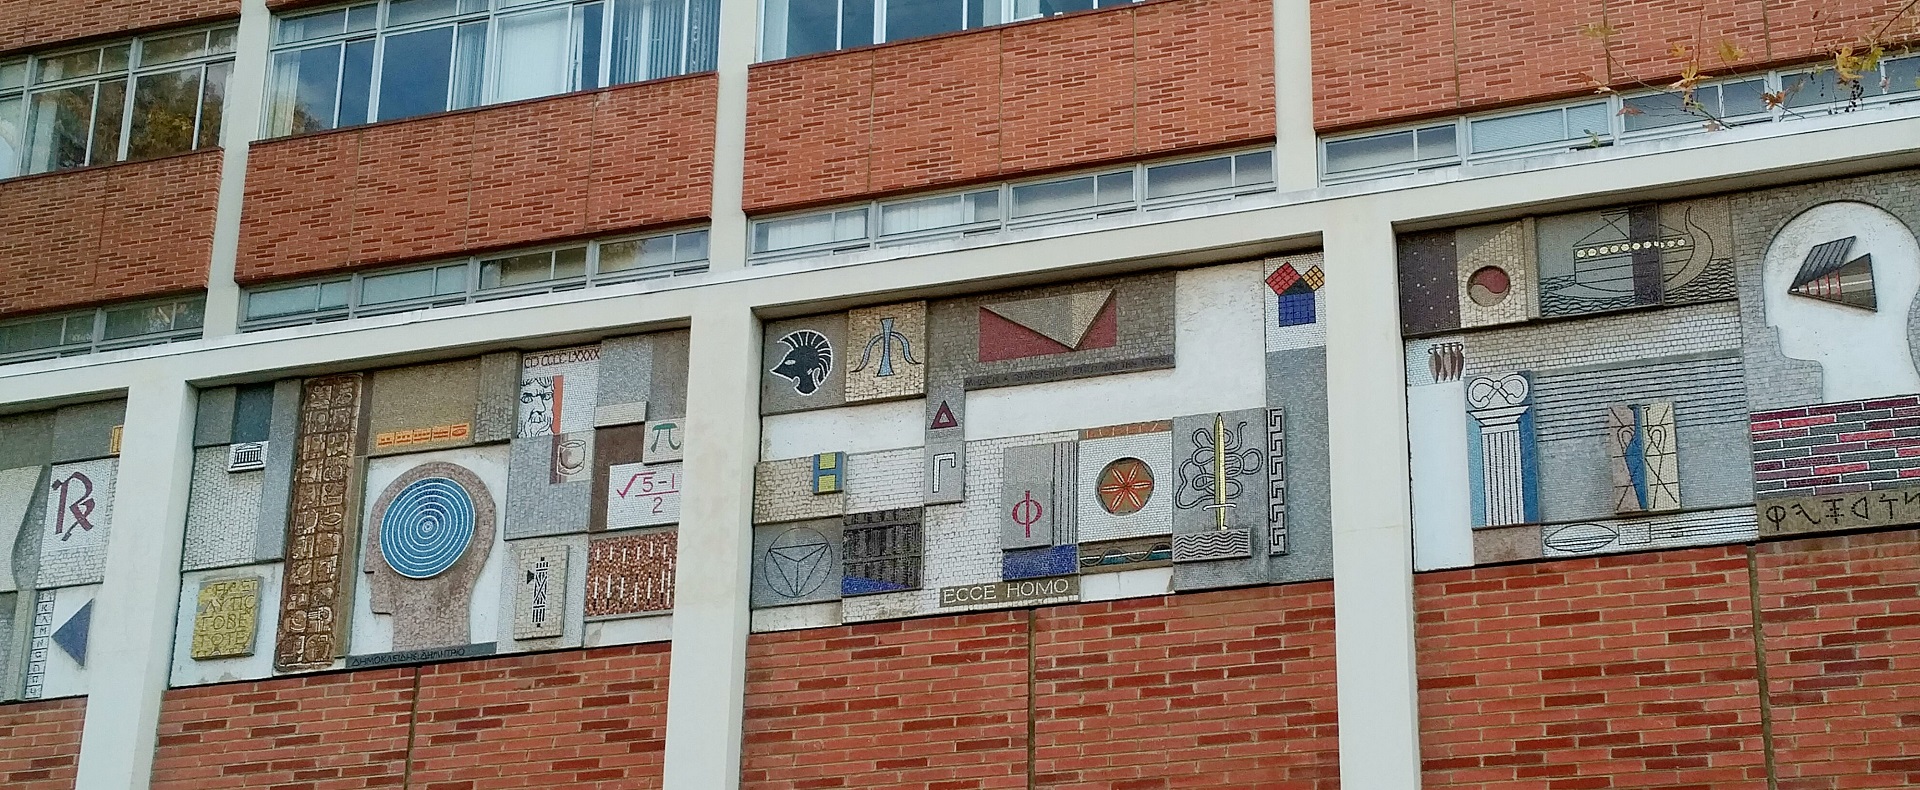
(223, 511)
(84, 432)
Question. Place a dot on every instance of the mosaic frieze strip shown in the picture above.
(225, 618)
(1127, 554)
(79, 515)
(431, 530)
(539, 582)
(891, 359)
(630, 574)
(881, 552)
(1655, 532)
(797, 563)
(40, 644)
(559, 391)
(223, 513)
(422, 407)
(1806, 515)
(321, 528)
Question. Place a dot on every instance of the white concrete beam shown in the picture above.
(1296, 156)
(240, 126)
(1372, 528)
(706, 692)
(131, 649)
(739, 29)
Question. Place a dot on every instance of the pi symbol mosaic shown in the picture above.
(427, 527)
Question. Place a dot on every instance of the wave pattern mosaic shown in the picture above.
(494, 504)
(1665, 374)
(1130, 436)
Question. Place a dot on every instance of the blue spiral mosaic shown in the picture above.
(427, 527)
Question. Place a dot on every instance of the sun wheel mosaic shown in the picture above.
(427, 526)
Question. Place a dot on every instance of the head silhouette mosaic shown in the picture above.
(808, 362)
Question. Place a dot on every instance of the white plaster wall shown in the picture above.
(1442, 501)
(66, 677)
(1126, 584)
(188, 672)
(1220, 362)
(373, 633)
(852, 429)
(793, 618)
(630, 630)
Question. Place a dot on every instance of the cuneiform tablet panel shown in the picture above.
(321, 528)
(630, 574)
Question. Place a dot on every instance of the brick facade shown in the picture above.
(109, 233)
(1411, 58)
(592, 718)
(28, 24)
(40, 744)
(565, 167)
(999, 102)
(1145, 693)
(1836, 447)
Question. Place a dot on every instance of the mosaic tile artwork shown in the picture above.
(73, 636)
(668, 393)
(1072, 321)
(571, 458)
(1808, 515)
(421, 407)
(1818, 450)
(630, 574)
(17, 490)
(539, 581)
(610, 415)
(213, 417)
(1052, 333)
(79, 515)
(1646, 464)
(549, 484)
(1598, 261)
(805, 360)
(40, 644)
(246, 456)
(1296, 310)
(276, 483)
(1501, 449)
(85, 431)
(1297, 388)
(1221, 479)
(431, 531)
(666, 441)
(881, 552)
(945, 472)
(226, 617)
(1128, 554)
(559, 391)
(1496, 273)
(891, 361)
(1429, 283)
(496, 404)
(783, 491)
(1829, 275)
(1701, 270)
(321, 530)
(829, 473)
(797, 563)
(1639, 534)
(1218, 544)
(640, 495)
(626, 377)
(223, 512)
(252, 413)
(884, 480)
(1276, 482)
(1039, 563)
(616, 446)
(1038, 495)
(1126, 484)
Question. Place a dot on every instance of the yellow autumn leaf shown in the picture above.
(1730, 52)
(1598, 30)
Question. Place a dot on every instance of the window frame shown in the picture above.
(97, 340)
(1008, 14)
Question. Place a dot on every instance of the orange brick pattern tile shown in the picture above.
(109, 233)
(556, 168)
(1617, 672)
(1005, 101)
(932, 703)
(30, 24)
(1842, 619)
(1223, 689)
(40, 743)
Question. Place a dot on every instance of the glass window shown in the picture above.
(153, 319)
(1189, 177)
(939, 212)
(165, 111)
(32, 336)
(13, 75)
(1902, 74)
(78, 112)
(915, 18)
(534, 55)
(68, 66)
(61, 127)
(516, 270)
(421, 63)
(397, 287)
(810, 230)
(1810, 88)
(1655, 110)
(12, 135)
(1048, 197)
(1362, 153)
(1436, 142)
(306, 85)
(213, 103)
(1746, 97)
(1253, 168)
(402, 12)
(283, 301)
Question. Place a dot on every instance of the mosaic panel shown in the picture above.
(321, 530)
(496, 404)
(276, 484)
(1038, 495)
(40, 644)
(225, 618)
(422, 407)
(213, 417)
(805, 360)
(223, 512)
(881, 552)
(1501, 451)
(1297, 388)
(1051, 333)
(668, 393)
(1296, 305)
(641, 495)
(17, 490)
(79, 514)
(666, 441)
(630, 574)
(1836, 448)
(539, 582)
(431, 531)
(1125, 486)
(1640, 534)
(1039, 563)
(548, 493)
(891, 360)
(1496, 274)
(1429, 283)
(85, 431)
(884, 480)
(252, 413)
(559, 391)
(626, 374)
(783, 491)
(1644, 459)
(797, 563)
(1807, 515)
(1127, 554)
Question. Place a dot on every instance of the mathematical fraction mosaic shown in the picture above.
(1656, 375)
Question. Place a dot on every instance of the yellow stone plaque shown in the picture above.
(223, 626)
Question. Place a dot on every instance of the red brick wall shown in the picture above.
(107, 233)
(1224, 689)
(1377, 63)
(1842, 619)
(935, 702)
(1632, 671)
(564, 720)
(593, 718)
(30, 24)
(995, 103)
(1851, 438)
(557, 168)
(40, 743)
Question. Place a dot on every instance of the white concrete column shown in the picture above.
(1372, 507)
(240, 125)
(739, 29)
(131, 651)
(1297, 148)
(709, 662)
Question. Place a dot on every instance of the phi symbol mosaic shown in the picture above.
(808, 361)
(225, 618)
